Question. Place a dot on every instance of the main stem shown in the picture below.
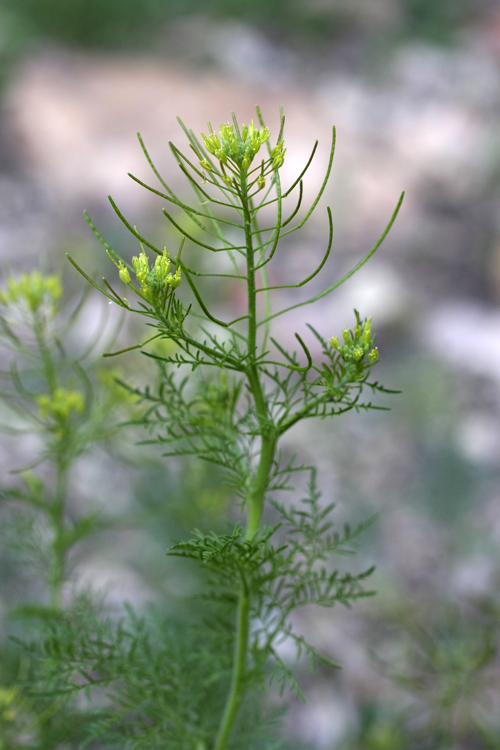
(256, 492)
(43, 348)
(56, 511)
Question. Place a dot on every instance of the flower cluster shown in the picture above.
(34, 289)
(239, 148)
(155, 281)
(357, 351)
(60, 404)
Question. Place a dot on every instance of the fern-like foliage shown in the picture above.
(281, 576)
(147, 683)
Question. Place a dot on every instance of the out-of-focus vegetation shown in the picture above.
(132, 26)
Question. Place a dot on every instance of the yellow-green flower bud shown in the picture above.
(373, 356)
(261, 182)
(278, 155)
(162, 266)
(123, 273)
(255, 144)
(176, 278)
(140, 262)
(208, 144)
(244, 132)
(345, 334)
(277, 149)
(141, 265)
(246, 162)
(335, 343)
(228, 180)
(204, 164)
(358, 353)
(367, 331)
(264, 134)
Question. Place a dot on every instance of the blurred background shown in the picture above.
(413, 87)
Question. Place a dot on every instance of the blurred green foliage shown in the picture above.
(438, 21)
(444, 664)
(128, 24)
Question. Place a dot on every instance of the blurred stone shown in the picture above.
(76, 116)
(116, 582)
(465, 334)
(474, 576)
(414, 550)
(479, 438)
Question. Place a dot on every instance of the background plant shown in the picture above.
(59, 399)
(443, 664)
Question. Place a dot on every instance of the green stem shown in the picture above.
(255, 503)
(263, 275)
(48, 364)
(239, 666)
(55, 511)
(255, 497)
(58, 568)
(252, 370)
(256, 494)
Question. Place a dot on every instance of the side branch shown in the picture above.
(198, 242)
(323, 185)
(199, 299)
(87, 278)
(103, 242)
(301, 283)
(299, 178)
(131, 228)
(296, 368)
(278, 224)
(348, 275)
(299, 203)
(179, 203)
(179, 155)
